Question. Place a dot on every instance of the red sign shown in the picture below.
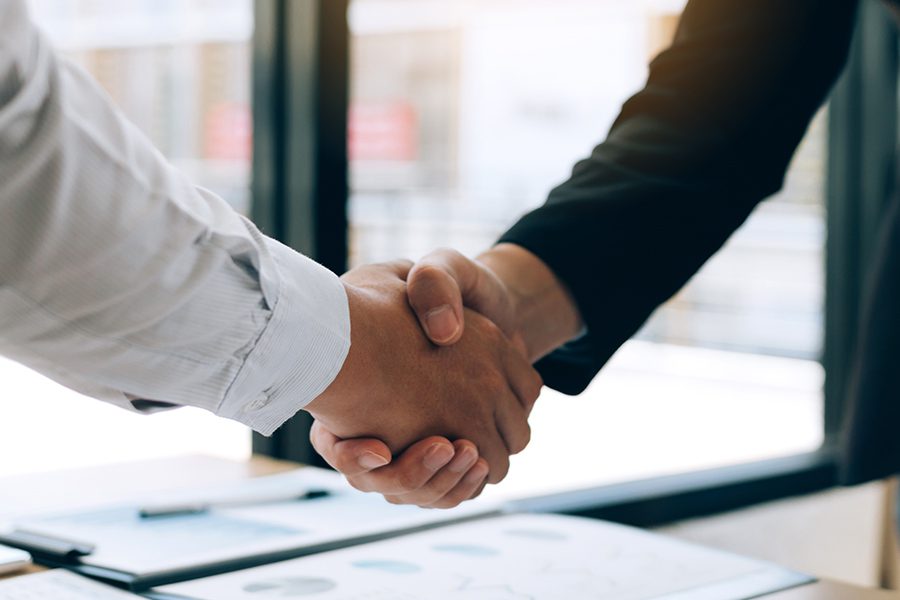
(384, 131)
(228, 132)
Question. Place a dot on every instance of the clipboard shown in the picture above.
(116, 545)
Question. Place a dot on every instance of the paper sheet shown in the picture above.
(58, 585)
(129, 544)
(524, 557)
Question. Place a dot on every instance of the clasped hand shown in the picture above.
(422, 370)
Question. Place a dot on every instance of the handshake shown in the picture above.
(439, 372)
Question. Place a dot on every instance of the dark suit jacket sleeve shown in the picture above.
(686, 161)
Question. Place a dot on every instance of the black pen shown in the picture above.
(193, 508)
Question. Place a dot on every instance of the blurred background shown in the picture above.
(463, 114)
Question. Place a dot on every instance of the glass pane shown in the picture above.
(466, 113)
(181, 72)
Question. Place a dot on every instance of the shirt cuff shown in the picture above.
(300, 351)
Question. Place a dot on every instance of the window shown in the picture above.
(463, 115)
(181, 72)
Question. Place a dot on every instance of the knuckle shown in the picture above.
(358, 484)
(318, 441)
(465, 445)
(340, 461)
(446, 252)
(484, 433)
(537, 388)
(488, 333)
(491, 330)
(427, 278)
(522, 440)
(498, 472)
(425, 270)
(401, 264)
(534, 387)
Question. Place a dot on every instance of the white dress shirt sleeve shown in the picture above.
(122, 280)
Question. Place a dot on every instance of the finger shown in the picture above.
(468, 487)
(524, 380)
(433, 287)
(512, 423)
(444, 480)
(479, 490)
(445, 280)
(493, 449)
(351, 457)
(409, 471)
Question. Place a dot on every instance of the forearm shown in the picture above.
(687, 160)
(545, 314)
(120, 278)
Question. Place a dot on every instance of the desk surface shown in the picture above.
(827, 590)
(73, 489)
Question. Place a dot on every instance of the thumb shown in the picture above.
(435, 295)
(351, 457)
(442, 282)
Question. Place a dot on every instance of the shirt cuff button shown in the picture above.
(258, 403)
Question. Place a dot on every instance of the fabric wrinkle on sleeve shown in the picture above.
(306, 341)
(121, 279)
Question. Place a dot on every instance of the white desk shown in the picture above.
(86, 487)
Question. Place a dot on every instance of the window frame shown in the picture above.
(300, 195)
(299, 181)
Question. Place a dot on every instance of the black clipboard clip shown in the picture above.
(39, 545)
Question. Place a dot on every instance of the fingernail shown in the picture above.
(370, 460)
(441, 323)
(464, 460)
(438, 456)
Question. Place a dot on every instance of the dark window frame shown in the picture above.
(300, 194)
(300, 184)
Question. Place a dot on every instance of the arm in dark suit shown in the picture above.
(689, 157)
(687, 160)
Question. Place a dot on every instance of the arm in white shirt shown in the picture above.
(121, 279)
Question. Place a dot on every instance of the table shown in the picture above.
(70, 490)
(829, 590)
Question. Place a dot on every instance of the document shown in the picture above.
(58, 585)
(149, 551)
(515, 557)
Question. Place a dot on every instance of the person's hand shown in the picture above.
(443, 283)
(397, 387)
(507, 284)
(432, 473)
(520, 294)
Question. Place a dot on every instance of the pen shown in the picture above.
(193, 508)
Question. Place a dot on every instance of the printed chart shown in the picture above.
(523, 557)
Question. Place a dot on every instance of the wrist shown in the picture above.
(326, 405)
(544, 312)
